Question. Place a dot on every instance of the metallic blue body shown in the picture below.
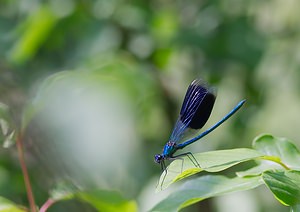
(169, 149)
(195, 111)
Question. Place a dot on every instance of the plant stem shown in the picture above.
(30, 196)
(47, 205)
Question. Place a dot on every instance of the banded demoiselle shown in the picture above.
(195, 111)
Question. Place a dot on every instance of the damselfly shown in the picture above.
(195, 111)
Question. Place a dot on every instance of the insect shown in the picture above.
(195, 111)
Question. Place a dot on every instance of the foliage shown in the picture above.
(282, 177)
(92, 90)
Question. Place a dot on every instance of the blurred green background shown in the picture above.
(111, 76)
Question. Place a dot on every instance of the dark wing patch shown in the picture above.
(197, 105)
(195, 110)
(203, 112)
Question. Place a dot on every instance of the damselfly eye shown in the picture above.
(158, 158)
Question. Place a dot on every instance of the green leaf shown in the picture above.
(63, 191)
(281, 151)
(284, 185)
(102, 200)
(257, 170)
(282, 148)
(213, 161)
(37, 28)
(107, 201)
(220, 160)
(8, 206)
(205, 187)
(264, 165)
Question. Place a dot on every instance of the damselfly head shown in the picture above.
(158, 158)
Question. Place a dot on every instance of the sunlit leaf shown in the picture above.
(205, 187)
(38, 26)
(213, 161)
(216, 161)
(283, 148)
(8, 206)
(284, 185)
